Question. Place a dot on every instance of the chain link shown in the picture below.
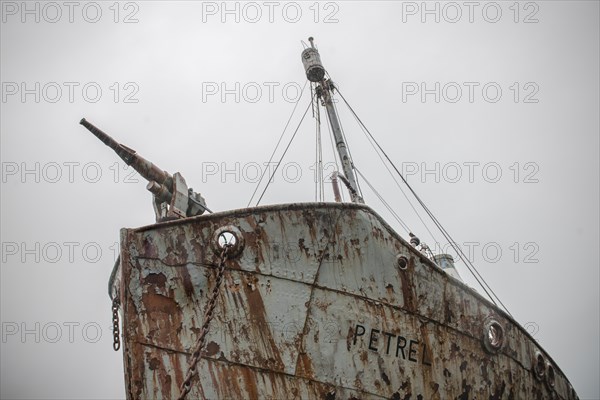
(186, 385)
(115, 317)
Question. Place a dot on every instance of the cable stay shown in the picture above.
(480, 280)
(385, 203)
(277, 146)
(322, 90)
(283, 155)
(392, 175)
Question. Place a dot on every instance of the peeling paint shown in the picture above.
(314, 306)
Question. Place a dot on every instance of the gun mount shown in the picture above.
(172, 198)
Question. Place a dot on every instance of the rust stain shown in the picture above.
(259, 318)
(407, 286)
(148, 247)
(158, 303)
(163, 305)
(250, 384)
(188, 287)
(156, 281)
(304, 366)
(350, 337)
(212, 348)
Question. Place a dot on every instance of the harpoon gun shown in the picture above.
(172, 198)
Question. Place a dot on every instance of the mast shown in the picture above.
(315, 72)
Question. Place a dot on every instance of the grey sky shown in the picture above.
(528, 110)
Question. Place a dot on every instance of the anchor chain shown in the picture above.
(115, 318)
(186, 385)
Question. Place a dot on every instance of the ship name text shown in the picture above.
(391, 344)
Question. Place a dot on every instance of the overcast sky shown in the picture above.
(490, 109)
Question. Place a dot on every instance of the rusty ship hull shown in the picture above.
(318, 301)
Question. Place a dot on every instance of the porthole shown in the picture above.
(539, 365)
(493, 336)
(402, 262)
(550, 376)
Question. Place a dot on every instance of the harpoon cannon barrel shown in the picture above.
(144, 167)
(172, 197)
